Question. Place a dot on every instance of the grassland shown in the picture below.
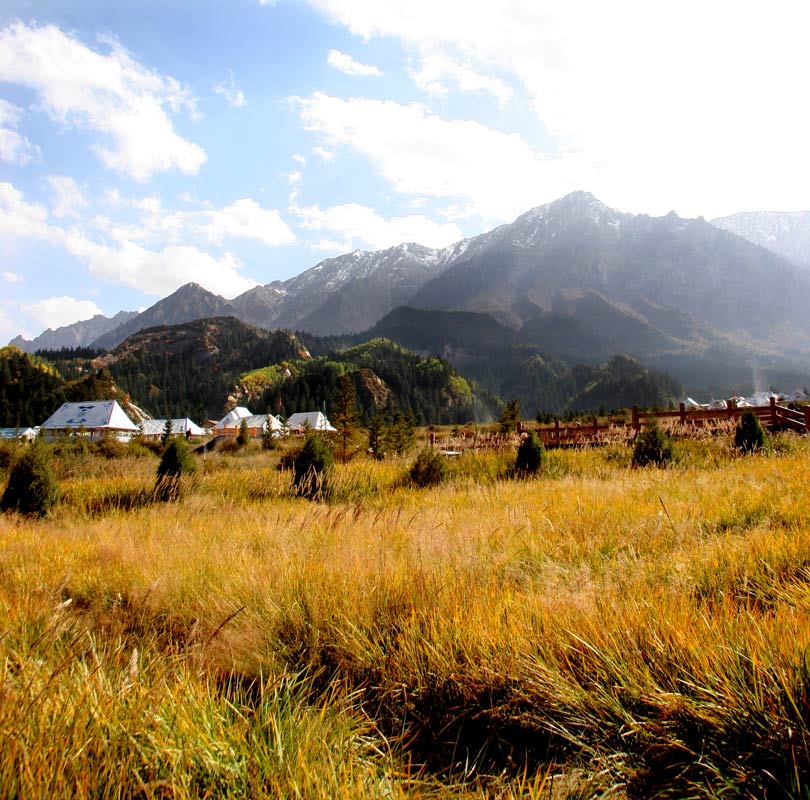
(599, 631)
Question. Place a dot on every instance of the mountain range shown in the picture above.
(574, 278)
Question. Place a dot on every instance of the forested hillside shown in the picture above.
(387, 378)
(188, 370)
(32, 387)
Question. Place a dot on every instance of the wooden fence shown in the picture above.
(621, 430)
(773, 416)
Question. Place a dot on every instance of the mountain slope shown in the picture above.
(711, 278)
(79, 334)
(188, 303)
(786, 233)
(344, 294)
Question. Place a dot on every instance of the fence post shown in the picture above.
(807, 418)
(773, 413)
(682, 410)
(557, 430)
(636, 423)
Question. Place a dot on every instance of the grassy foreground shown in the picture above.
(599, 631)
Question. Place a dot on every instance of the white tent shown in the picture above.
(20, 434)
(313, 420)
(154, 428)
(233, 418)
(94, 419)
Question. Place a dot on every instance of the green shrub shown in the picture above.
(32, 487)
(110, 447)
(749, 436)
(652, 446)
(531, 456)
(175, 462)
(243, 437)
(269, 440)
(311, 468)
(429, 469)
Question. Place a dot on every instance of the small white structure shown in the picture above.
(154, 428)
(798, 396)
(18, 434)
(94, 419)
(309, 420)
(232, 419)
(230, 424)
(689, 403)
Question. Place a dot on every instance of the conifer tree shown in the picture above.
(166, 436)
(344, 414)
(243, 437)
(376, 429)
(510, 416)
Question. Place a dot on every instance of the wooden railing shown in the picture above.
(772, 416)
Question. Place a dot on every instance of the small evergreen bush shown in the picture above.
(32, 487)
(429, 469)
(269, 440)
(531, 456)
(311, 468)
(175, 462)
(749, 435)
(243, 437)
(652, 446)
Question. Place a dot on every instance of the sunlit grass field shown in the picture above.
(598, 631)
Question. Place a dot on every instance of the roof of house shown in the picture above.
(155, 427)
(234, 417)
(260, 420)
(90, 414)
(314, 420)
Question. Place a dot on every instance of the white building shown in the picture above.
(94, 419)
(154, 428)
(309, 420)
(230, 424)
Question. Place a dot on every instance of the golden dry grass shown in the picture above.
(599, 630)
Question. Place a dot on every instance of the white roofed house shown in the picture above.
(155, 428)
(309, 420)
(94, 419)
(256, 423)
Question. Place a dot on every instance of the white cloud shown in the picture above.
(483, 171)
(54, 312)
(361, 226)
(21, 219)
(348, 66)
(156, 225)
(648, 107)
(109, 93)
(437, 68)
(246, 219)
(68, 198)
(14, 148)
(159, 273)
(11, 277)
(323, 153)
(230, 91)
(300, 159)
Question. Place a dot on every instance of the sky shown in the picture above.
(147, 144)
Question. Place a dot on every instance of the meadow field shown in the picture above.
(596, 631)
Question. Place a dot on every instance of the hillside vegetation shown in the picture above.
(32, 387)
(599, 631)
(387, 378)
